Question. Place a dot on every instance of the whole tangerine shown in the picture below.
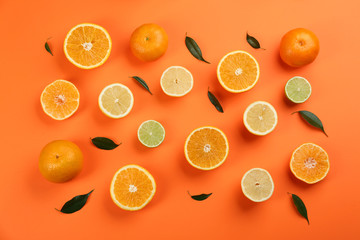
(60, 161)
(299, 47)
(149, 42)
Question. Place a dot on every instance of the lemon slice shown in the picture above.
(176, 81)
(151, 133)
(298, 89)
(116, 100)
(260, 118)
(257, 185)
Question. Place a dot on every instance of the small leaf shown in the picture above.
(48, 48)
(253, 42)
(215, 102)
(142, 82)
(75, 204)
(194, 49)
(200, 197)
(312, 119)
(104, 143)
(300, 206)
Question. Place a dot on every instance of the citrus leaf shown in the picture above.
(312, 119)
(47, 47)
(104, 143)
(75, 204)
(215, 101)
(142, 82)
(194, 49)
(300, 206)
(253, 42)
(200, 197)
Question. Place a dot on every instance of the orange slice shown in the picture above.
(87, 45)
(206, 148)
(238, 71)
(310, 163)
(132, 187)
(60, 99)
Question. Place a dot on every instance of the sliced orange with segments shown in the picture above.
(238, 71)
(206, 148)
(310, 163)
(87, 45)
(132, 187)
(60, 99)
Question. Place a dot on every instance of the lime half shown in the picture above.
(298, 89)
(151, 133)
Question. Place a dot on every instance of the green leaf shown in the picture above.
(300, 206)
(142, 82)
(194, 49)
(252, 41)
(215, 101)
(75, 204)
(200, 197)
(104, 143)
(312, 119)
(48, 48)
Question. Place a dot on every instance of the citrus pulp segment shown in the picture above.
(151, 133)
(116, 100)
(298, 89)
(132, 187)
(176, 81)
(257, 185)
(238, 71)
(60, 99)
(206, 148)
(260, 118)
(87, 45)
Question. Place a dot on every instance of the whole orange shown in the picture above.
(299, 47)
(149, 42)
(60, 161)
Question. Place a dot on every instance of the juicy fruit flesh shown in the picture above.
(310, 163)
(257, 185)
(298, 89)
(132, 188)
(207, 148)
(116, 100)
(261, 118)
(238, 72)
(151, 133)
(176, 81)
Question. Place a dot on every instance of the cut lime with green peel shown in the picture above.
(151, 133)
(298, 89)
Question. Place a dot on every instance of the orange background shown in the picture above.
(27, 200)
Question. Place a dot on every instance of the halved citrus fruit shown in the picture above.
(87, 45)
(176, 81)
(60, 99)
(257, 185)
(206, 148)
(260, 118)
(238, 71)
(310, 163)
(116, 100)
(132, 187)
(297, 89)
(151, 133)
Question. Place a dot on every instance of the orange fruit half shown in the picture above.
(60, 99)
(132, 187)
(238, 71)
(87, 45)
(310, 163)
(206, 148)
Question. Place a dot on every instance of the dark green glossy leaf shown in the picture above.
(215, 101)
(142, 82)
(104, 143)
(253, 41)
(312, 119)
(300, 206)
(194, 49)
(48, 48)
(200, 197)
(75, 204)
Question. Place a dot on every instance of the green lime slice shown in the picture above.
(151, 133)
(298, 89)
